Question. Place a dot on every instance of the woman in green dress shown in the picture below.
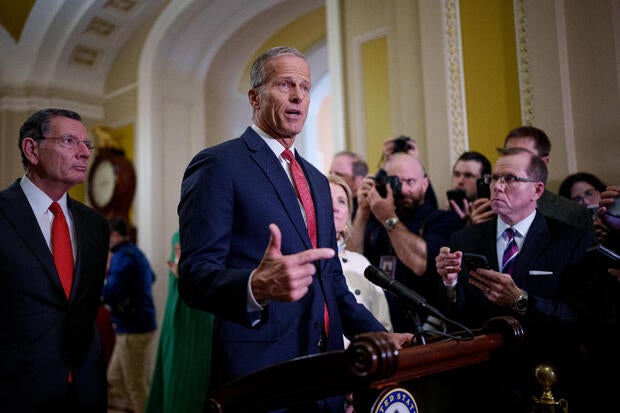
(183, 363)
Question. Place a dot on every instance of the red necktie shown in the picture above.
(303, 192)
(61, 248)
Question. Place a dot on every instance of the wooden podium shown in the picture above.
(367, 367)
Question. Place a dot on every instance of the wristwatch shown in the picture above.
(520, 304)
(390, 223)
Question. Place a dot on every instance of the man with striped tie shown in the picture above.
(538, 275)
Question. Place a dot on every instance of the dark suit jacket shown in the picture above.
(44, 335)
(230, 194)
(565, 210)
(554, 269)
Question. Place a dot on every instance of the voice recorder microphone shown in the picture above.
(410, 297)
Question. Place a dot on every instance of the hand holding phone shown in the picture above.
(475, 261)
(612, 257)
(456, 195)
(481, 211)
(483, 190)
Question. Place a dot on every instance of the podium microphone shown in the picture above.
(410, 297)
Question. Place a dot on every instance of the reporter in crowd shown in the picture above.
(353, 169)
(353, 263)
(467, 170)
(399, 232)
(128, 293)
(550, 205)
(406, 144)
(585, 189)
(603, 379)
(539, 272)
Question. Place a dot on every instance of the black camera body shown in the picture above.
(382, 179)
(402, 144)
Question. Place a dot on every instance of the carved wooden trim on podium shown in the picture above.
(371, 363)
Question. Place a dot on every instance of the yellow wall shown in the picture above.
(125, 136)
(302, 33)
(78, 192)
(490, 73)
(14, 16)
(377, 108)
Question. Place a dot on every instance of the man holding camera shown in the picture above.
(408, 145)
(398, 232)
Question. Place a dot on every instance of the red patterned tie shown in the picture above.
(303, 192)
(61, 248)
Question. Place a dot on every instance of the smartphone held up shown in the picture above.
(475, 261)
(483, 189)
(456, 195)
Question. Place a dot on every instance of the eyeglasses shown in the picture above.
(507, 179)
(71, 142)
(589, 195)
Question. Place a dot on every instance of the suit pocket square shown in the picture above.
(537, 272)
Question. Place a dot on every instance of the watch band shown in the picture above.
(390, 223)
(520, 304)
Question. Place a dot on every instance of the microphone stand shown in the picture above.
(418, 331)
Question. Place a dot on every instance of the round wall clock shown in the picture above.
(111, 183)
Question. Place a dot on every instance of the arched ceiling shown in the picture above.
(66, 44)
(69, 45)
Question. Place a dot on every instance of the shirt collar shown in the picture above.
(39, 200)
(521, 227)
(273, 144)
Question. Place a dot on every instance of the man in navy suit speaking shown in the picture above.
(253, 254)
(53, 255)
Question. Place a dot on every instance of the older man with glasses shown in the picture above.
(550, 205)
(53, 255)
(538, 274)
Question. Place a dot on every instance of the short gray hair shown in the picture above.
(257, 74)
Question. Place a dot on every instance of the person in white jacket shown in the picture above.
(354, 263)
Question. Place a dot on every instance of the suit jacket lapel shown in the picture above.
(283, 187)
(534, 244)
(81, 238)
(17, 209)
(489, 243)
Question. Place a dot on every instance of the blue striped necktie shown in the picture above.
(510, 253)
